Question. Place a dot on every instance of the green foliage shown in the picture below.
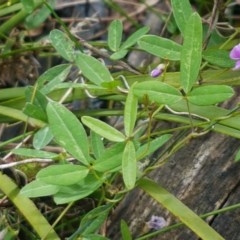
(63, 175)
(120, 50)
(182, 10)
(130, 113)
(103, 129)
(63, 45)
(212, 94)
(115, 35)
(218, 57)
(93, 69)
(92, 157)
(68, 131)
(158, 92)
(191, 54)
(126, 234)
(129, 165)
(36, 18)
(160, 47)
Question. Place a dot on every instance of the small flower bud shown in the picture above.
(158, 70)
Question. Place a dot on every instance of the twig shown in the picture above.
(30, 160)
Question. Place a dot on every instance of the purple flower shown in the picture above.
(235, 55)
(157, 71)
(156, 223)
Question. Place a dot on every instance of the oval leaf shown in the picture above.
(93, 69)
(36, 18)
(208, 95)
(64, 175)
(191, 54)
(158, 92)
(34, 153)
(97, 144)
(110, 160)
(35, 112)
(78, 191)
(115, 34)
(51, 73)
(68, 131)
(219, 57)
(56, 80)
(42, 137)
(182, 10)
(130, 112)
(160, 47)
(38, 188)
(129, 165)
(119, 54)
(125, 231)
(63, 45)
(103, 129)
(134, 37)
(28, 5)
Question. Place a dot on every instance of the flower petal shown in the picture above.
(237, 65)
(156, 72)
(235, 53)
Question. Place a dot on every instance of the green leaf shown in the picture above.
(191, 54)
(27, 209)
(158, 92)
(115, 34)
(63, 175)
(27, 152)
(132, 39)
(110, 160)
(129, 165)
(35, 19)
(63, 45)
(93, 220)
(126, 234)
(42, 137)
(58, 71)
(211, 94)
(237, 157)
(35, 112)
(93, 69)
(53, 84)
(218, 57)
(68, 131)
(78, 191)
(182, 10)
(28, 5)
(152, 146)
(103, 129)
(34, 96)
(38, 188)
(130, 112)
(160, 47)
(178, 209)
(97, 144)
(119, 54)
